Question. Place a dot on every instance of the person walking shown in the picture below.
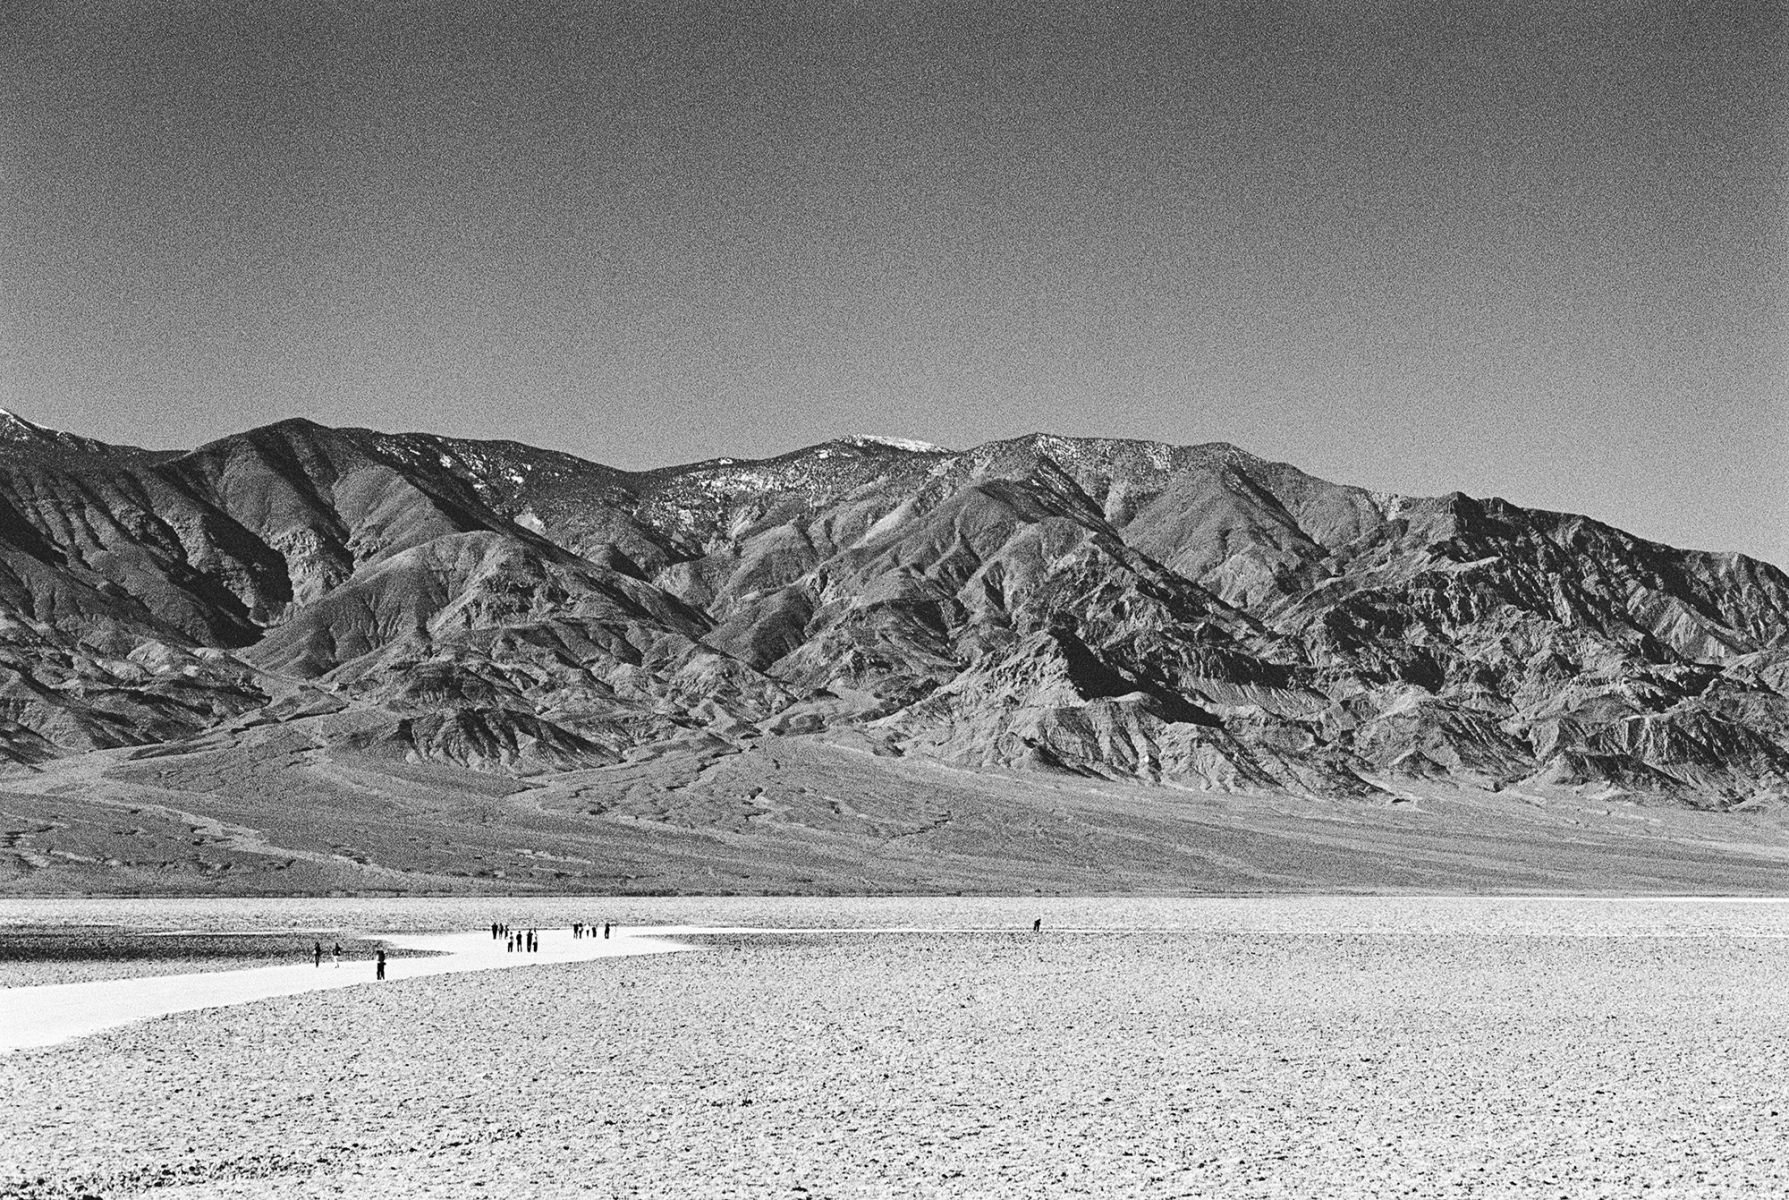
(379, 966)
(317, 953)
(1037, 925)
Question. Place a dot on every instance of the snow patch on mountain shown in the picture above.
(894, 443)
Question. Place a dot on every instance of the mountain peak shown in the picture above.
(909, 445)
(17, 431)
(12, 425)
(1112, 607)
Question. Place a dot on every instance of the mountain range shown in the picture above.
(1187, 616)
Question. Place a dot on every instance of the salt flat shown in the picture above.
(1328, 1047)
(42, 1016)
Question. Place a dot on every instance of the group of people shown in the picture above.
(524, 941)
(335, 953)
(527, 941)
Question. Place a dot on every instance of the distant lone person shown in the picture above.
(337, 953)
(317, 953)
(1037, 925)
(379, 966)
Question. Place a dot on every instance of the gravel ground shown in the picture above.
(893, 1065)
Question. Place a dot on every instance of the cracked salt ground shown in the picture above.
(1336, 1064)
(43, 1016)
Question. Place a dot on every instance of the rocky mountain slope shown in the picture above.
(1191, 616)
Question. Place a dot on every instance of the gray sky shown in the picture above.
(1536, 250)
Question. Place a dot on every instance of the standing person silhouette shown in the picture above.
(337, 953)
(1037, 925)
(379, 966)
(317, 953)
(605, 929)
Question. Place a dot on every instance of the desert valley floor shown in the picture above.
(1374, 1030)
(1310, 1047)
(287, 810)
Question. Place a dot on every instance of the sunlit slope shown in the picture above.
(1092, 609)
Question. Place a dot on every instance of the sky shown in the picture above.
(1533, 250)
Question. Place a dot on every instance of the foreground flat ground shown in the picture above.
(1197, 1062)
